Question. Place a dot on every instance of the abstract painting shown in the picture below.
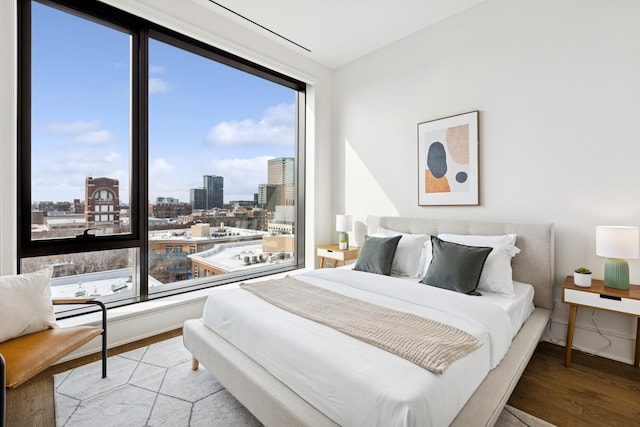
(448, 160)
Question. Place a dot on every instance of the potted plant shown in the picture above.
(582, 277)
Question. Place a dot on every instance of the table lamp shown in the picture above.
(618, 244)
(344, 223)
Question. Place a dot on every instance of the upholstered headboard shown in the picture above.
(533, 265)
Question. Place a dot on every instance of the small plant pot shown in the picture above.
(582, 280)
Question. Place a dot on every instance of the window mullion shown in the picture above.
(24, 126)
(300, 178)
(140, 146)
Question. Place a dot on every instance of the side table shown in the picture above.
(333, 252)
(598, 296)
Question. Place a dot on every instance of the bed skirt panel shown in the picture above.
(269, 400)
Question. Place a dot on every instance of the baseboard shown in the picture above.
(587, 339)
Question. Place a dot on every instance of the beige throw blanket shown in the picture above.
(429, 344)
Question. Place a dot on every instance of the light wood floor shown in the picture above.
(593, 392)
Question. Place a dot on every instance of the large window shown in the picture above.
(151, 163)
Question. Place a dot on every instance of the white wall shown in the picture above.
(557, 85)
(8, 117)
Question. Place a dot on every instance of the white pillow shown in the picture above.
(25, 304)
(410, 257)
(497, 275)
(427, 253)
(479, 240)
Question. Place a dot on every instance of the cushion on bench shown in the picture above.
(31, 354)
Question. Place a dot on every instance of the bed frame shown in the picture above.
(274, 404)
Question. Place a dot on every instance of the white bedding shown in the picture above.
(354, 383)
(519, 308)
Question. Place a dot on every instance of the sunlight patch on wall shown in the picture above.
(363, 195)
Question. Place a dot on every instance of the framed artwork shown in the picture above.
(448, 161)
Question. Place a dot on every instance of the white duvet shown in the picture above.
(354, 383)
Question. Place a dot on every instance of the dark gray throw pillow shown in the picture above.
(376, 254)
(456, 267)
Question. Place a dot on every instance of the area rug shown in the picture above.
(155, 386)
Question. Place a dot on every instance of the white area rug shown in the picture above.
(155, 386)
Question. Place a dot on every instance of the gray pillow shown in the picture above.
(456, 267)
(376, 254)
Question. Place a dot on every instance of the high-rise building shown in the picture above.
(198, 198)
(102, 203)
(210, 196)
(269, 196)
(281, 171)
(214, 188)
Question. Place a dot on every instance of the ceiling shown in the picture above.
(335, 32)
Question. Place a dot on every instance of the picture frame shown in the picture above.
(448, 161)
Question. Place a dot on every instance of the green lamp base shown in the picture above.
(616, 273)
(343, 240)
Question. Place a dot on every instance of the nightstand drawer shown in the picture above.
(592, 299)
(328, 253)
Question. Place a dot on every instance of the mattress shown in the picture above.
(341, 376)
(519, 308)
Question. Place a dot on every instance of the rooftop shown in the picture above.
(216, 233)
(239, 256)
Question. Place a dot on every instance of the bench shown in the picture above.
(23, 357)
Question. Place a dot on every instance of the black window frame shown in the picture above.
(141, 30)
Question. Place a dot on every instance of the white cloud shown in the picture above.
(160, 166)
(83, 132)
(85, 163)
(241, 175)
(165, 182)
(112, 157)
(157, 85)
(241, 178)
(64, 177)
(277, 126)
(97, 137)
(76, 127)
(280, 115)
(173, 186)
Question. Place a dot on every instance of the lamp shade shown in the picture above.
(344, 223)
(617, 242)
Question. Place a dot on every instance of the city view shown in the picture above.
(221, 159)
(199, 238)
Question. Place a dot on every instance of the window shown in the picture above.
(147, 157)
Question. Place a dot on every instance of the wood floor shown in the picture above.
(593, 392)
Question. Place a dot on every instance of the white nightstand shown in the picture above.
(624, 301)
(336, 254)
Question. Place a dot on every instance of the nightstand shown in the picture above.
(336, 254)
(598, 296)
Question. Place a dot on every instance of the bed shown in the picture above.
(284, 383)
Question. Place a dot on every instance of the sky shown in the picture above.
(205, 118)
